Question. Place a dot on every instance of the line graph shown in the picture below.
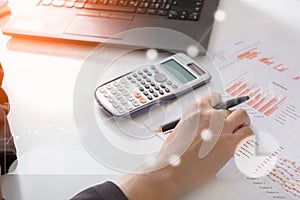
(286, 174)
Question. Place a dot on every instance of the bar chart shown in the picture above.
(261, 100)
(254, 54)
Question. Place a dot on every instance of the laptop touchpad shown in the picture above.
(97, 27)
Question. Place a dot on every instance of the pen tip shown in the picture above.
(159, 130)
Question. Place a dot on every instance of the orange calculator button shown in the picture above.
(137, 95)
(143, 100)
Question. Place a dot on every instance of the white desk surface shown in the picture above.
(40, 78)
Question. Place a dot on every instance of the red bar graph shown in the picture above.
(261, 100)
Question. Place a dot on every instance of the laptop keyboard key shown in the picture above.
(58, 3)
(152, 12)
(121, 16)
(141, 10)
(193, 16)
(109, 8)
(69, 4)
(172, 14)
(162, 12)
(46, 2)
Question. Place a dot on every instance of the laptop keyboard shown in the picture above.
(171, 9)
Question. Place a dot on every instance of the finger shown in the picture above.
(237, 119)
(211, 99)
(227, 113)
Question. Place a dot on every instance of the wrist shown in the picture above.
(153, 185)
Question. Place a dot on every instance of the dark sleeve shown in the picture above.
(7, 146)
(104, 191)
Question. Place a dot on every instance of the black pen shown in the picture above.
(167, 128)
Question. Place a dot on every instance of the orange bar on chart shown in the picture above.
(268, 105)
(240, 89)
(246, 92)
(260, 103)
(247, 54)
(254, 100)
(233, 87)
(274, 108)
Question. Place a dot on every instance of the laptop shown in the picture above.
(162, 24)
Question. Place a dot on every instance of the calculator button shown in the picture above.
(141, 89)
(143, 100)
(106, 93)
(161, 92)
(138, 78)
(129, 107)
(149, 74)
(155, 94)
(135, 103)
(140, 73)
(116, 104)
(167, 90)
(151, 90)
(149, 97)
(152, 84)
(123, 81)
(132, 81)
(138, 95)
(134, 75)
(125, 93)
(130, 98)
(113, 91)
(156, 71)
(144, 76)
(162, 85)
(129, 77)
(143, 82)
(102, 89)
(121, 88)
(148, 80)
(118, 96)
(110, 99)
(145, 70)
(147, 86)
(174, 86)
(123, 101)
(121, 110)
(145, 93)
(109, 86)
(152, 67)
(116, 83)
(156, 88)
(169, 82)
(160, 77)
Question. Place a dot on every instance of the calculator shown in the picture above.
(149, 84)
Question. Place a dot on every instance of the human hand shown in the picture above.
(203, 141)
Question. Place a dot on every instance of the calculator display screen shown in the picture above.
(178, 71)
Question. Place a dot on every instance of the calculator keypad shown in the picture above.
(136, 89)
